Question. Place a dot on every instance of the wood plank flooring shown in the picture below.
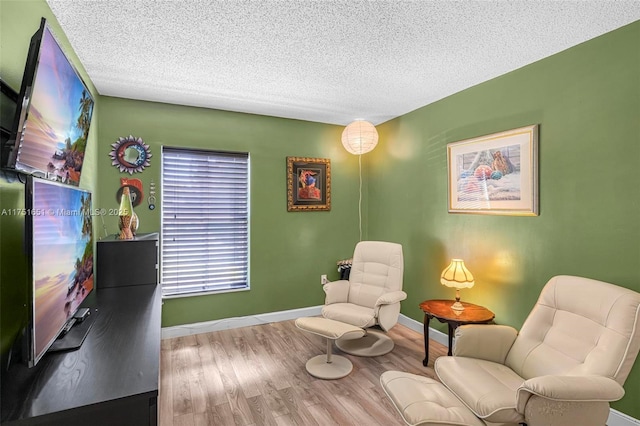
(256, 376)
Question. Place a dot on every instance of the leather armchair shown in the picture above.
(371, 297)
(569, 360)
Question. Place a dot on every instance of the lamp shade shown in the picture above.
(457, 275)
(359, 137)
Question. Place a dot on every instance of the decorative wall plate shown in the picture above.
(130, 154)
(135, 190)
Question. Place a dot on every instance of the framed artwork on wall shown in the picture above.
(308, 184)
(495, 174)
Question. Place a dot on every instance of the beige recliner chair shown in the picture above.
(371, 297)
(569, 360)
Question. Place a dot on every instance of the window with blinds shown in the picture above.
(205, 221)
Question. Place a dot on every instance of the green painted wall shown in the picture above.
(18, 21)
(288, 250)
(587, 102)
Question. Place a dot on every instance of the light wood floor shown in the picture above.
(256, 376)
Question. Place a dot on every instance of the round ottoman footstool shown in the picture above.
(426, 402)
(329, 366)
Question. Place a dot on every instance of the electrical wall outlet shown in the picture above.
(323, 279)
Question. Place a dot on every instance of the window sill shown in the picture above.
(204, 293)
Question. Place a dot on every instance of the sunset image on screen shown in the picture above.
(62, 257)
(54, 135)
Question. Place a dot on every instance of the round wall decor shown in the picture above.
(135, 190)
(130, 154)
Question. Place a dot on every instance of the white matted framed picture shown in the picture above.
(495, 174)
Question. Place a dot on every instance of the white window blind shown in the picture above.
(205, 221)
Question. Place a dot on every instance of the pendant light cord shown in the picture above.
(360, 196)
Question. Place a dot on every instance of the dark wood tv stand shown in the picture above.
(112, 379)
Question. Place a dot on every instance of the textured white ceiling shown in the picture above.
(326, 61)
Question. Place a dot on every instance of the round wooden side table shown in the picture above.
(441, 310)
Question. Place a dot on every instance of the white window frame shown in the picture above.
(204, 243)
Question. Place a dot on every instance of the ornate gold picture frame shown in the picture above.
(308, 184)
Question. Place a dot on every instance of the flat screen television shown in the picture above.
(60, 246)
(53, 116)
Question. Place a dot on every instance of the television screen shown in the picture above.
(52, 124)
(60, 226)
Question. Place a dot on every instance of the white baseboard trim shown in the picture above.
(414, 325)
(616, 418)
(246, 321)
(237, 322)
